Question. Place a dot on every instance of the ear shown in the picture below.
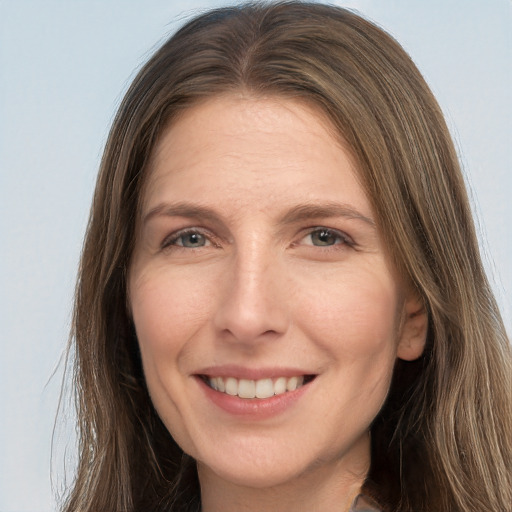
(413, 332)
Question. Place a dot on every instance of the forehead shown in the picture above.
(253, 148)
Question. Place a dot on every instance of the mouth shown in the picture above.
(256, 389)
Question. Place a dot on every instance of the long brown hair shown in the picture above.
(442, 442)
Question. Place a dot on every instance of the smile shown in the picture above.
(262, 388)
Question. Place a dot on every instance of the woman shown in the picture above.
(281, 304)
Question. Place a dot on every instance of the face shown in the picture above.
(267, 314)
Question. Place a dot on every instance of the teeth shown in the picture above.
(246, 388)
(231, 386)
(220, 384)
(292, 384)
(263, 388)
(280, 385)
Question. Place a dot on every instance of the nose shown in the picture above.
(253, 306)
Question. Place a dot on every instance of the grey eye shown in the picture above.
(324, 237)
(191, 240)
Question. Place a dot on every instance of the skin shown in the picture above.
(257, 282)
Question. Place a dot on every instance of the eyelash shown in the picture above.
(341, 238)
(171, 240)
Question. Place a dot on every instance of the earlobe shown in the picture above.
(413, 332)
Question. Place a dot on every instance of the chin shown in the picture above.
(256, 466)
(261, 465)
(250, 475)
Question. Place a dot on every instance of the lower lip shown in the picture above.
(253, 408)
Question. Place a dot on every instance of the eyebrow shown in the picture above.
(327, 210)
(181, 210)
(296, 214)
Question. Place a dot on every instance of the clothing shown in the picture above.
(364, 504)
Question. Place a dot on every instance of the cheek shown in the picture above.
(353, 314)
(167, 312)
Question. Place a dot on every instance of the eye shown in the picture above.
(325, 237)
(189, 239)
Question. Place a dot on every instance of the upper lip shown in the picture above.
(239, 372)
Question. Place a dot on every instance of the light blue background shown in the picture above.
(64, 66)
